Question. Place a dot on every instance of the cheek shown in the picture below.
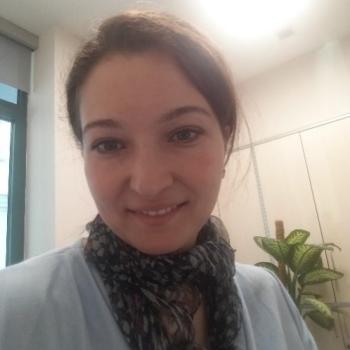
(206, 170)
(99, 180)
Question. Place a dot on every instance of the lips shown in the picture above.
(157, 211)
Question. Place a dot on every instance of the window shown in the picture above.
(13, 104)
(8, 93)
(5, 134)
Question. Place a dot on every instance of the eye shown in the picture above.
(107, 146)
(186, 135)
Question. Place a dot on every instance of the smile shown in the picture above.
(158, 213)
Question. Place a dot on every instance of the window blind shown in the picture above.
(16, 46)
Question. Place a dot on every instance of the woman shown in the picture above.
(151, 104)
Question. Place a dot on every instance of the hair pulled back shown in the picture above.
(137, 32)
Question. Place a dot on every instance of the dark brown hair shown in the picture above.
(136, 32)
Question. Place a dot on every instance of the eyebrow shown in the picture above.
(182, 111)
(166, 117)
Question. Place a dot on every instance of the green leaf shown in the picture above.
(318, 311)
(297, 237)
(312, 304)
(305, 257)
(258, 240)
(315, 295)
(318, 317)
(330, 246)
(267, 265)
(320, 276)
(319, 264)
(278, 249)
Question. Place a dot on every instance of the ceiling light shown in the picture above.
(254, 18)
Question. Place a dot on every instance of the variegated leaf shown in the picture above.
(305, 257)
(298, 236)
(320, 276)
(278, 249)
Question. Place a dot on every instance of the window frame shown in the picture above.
(16, 114)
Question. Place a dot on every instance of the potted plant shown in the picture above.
(299, 266)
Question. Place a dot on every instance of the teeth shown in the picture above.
(158, 212)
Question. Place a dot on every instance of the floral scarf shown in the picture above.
(154, 298)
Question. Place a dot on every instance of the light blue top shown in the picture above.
(57, 302)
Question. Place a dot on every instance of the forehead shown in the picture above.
(137, 85)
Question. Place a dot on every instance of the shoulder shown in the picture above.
(52, 302)
(36, 294)
(253, 275)
(258, 285)
(256, 281)
(269, 312)
(26, 285)
(40, 267)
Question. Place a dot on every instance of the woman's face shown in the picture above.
(153, 151)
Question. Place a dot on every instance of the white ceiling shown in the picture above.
(326, 20)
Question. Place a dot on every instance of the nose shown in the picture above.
(151, 173)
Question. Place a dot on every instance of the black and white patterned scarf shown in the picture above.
(154, 298)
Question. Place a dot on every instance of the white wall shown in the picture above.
(302, 177)
(306, 90)
(40, 209)
(58, 201)
(73, 203)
